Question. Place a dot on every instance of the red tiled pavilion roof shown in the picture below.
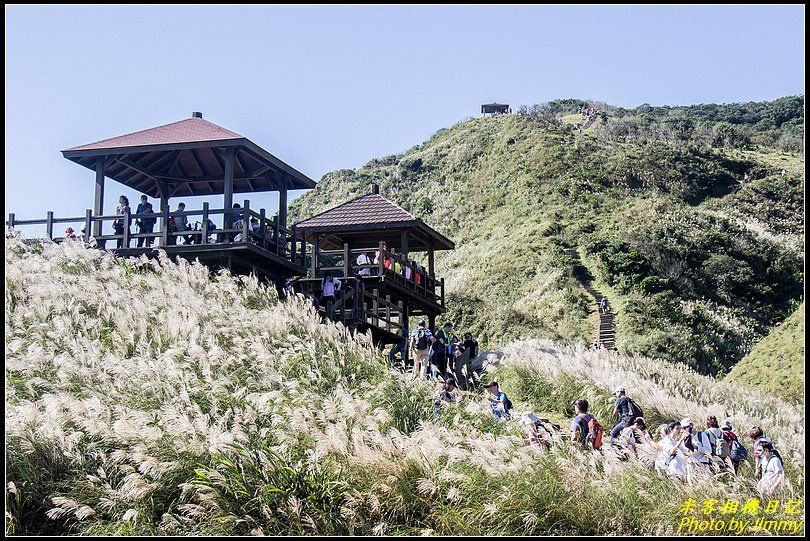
(189, 130)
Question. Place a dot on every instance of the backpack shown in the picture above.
(594, 436)
(738, 452)
(172, 225)
(422, 339)
(723, 449)
(507, 404)
(635, 411)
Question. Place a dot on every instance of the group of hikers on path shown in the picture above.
(681, 452)
(443, 353)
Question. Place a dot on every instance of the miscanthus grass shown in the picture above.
(150, 397)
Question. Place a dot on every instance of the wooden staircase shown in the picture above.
(607, 329)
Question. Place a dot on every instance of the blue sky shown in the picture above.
(326, 88)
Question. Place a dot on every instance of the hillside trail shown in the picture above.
(607, 331)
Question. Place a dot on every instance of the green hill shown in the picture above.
(776, 363)
(152, 398)
(700, 261)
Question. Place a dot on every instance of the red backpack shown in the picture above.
(594, 436)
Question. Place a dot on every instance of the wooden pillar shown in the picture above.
(346, 256)
(10, 220)
(381, 266)
(432, 322)
(245, 220)
(404, 242)
(262, 227)
(282, 206)
(316, 250)
(164, 222)
(293, 246)
(126, 227)
(88, 224)
(204, 239)
(228, 198)
(276, 235)
(49, 224)
(388, 313)
(403, 321)
(98, 205)
(431, 269)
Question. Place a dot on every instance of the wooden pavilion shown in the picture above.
(380, 295)
(194, 157)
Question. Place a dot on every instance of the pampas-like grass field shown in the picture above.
(149, 397)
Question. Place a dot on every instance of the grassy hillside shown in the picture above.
(776, 363)
(150, 398)
(703, 262)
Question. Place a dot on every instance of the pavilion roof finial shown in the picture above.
(196, 114)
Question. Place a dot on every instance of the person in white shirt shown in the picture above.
(421, 339)
(671, 460)
(773, 472)
(329, 286)
(697, 448)
(364, 259)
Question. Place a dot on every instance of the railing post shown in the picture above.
(245, 221)
(293, 250)
(343, 305)
(375, 306)
(346, 259)
(262, 228)
(10, 220)
(164, 227)
(303, 250)
(381, 263)
(388, 313)
(275, 229)
(442, 282)
(49, 224)
(88, 223)
(204, 239)
(126, 228)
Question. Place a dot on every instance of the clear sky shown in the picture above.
(326, 88)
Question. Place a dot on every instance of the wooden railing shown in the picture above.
(266, 233)
(389, 264)
(355, 303)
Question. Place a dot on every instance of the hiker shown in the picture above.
(452, 353)
(539, 437)
(755, 434)
(603, 305)
(697, 448)
(329, 286)
(773, 471)
(438, 364)
(499, 402)
(720, 449)
(671, 457)
(420, 347)
(737, 453)
(235, 223)
(446, 397)
(635, 434)
(468, 350)
(145, 223)
(69, 234)
(181, 222)
(399, 347)
(627, 411)
(585, 429)
(364, 259)
(118, 225)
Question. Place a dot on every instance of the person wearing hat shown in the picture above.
(773, 472)
(623, 410)
(735, 457)
(438, 364)
(421, 338)
(498, 401)
(696, 446)
(69, 234)
(446, 397)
